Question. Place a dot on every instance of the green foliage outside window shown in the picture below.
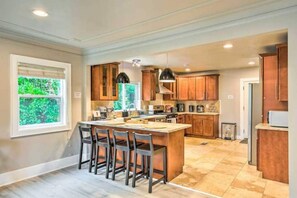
(127, 96)
(39, 109)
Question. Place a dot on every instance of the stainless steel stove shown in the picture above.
(159, 110)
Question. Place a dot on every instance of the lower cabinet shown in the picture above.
(180, 119)
(204, 126)
(188, 120)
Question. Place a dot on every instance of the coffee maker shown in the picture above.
(180, 107)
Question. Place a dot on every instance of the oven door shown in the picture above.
(171, 120)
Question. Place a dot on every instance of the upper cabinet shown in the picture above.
(171, 87)
(198, 88)
(282, 52)
(148, 85)
(103, 82)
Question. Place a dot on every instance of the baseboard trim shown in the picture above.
(36, 170)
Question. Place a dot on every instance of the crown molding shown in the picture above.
(191, 28)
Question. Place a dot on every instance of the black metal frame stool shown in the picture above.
(125, 146)
(86, 139)
(149, 150)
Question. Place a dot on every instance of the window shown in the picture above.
(129, 96)
(40, 96)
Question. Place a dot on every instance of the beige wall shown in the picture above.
(28, 151)
(230, 85)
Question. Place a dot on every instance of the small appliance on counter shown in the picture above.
(154, 109)
(191, 108)
(96, 115)
(168, 108)
(200, 109)
(180, 107)
(173, 109)
(278, 118)
(103, 112)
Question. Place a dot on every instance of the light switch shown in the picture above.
(77, 95)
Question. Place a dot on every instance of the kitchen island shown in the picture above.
(167, 134)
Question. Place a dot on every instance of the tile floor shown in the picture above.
(220, 168)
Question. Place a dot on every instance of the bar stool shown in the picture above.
(86, 137)
(149, 150)
(125, 146)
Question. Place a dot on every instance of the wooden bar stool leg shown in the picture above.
(114, 163)
(80, 155)
(91, 158)
(127, 168)
(151, 174)
(134, 169)
(96, 159)
(165, 165)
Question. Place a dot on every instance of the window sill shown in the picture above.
(39, 131)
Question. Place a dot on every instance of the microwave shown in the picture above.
(278, 118)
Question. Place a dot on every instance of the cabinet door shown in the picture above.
(148, 85)
(113, 82)
(283, 72)
(200, 88)
(197, 126)
(192, 85)
(188, 120)
(95, 82)
(212, 87)
(182, 88)
(104, 82)
(180, 119)
(208, 128)
(171, 87)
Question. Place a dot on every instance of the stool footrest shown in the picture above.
(157, 181)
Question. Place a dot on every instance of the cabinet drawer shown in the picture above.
(204, 117)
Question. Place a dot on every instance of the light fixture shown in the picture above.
(228, 46)
(187, 69)
(40, 13)
(167, 74)
(136, 62)
(123, 77)
(252, 63)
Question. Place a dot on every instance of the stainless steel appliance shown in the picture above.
(278, 118)
(180, 107)
(254, 118)
(103, 112)
(154, 109)
(159, 110)
(191, 108)
(200, 109)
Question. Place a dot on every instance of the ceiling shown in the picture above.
(214, 56)
(87, 24)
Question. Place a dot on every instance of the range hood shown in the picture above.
(159, 86)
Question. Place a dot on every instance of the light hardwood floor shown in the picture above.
(73, 183)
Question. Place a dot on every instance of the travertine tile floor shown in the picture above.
(220, 168)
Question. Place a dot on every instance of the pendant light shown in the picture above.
(167, 74)
(123, 77)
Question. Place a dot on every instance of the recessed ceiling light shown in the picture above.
(252, 63)
(187, 69)
(40, 13)
(228, 46)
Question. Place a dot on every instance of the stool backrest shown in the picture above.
(101, 134)
(85, 132)
(143, 138)
(123, 134)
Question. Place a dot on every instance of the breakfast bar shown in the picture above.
(166, 134)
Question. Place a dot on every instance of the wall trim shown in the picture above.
(36, 170)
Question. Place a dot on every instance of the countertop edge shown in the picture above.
(264, 126)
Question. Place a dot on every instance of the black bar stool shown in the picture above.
(149, 150)
(126, 146)
(86, 137)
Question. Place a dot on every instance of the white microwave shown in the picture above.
(278, 118)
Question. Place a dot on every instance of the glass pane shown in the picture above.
(130, 95)
(117, 105)
(104, 80)
(38, 86)
(39, 110)
(114, 81)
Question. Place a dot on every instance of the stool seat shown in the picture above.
(146, 147)
(123, 143)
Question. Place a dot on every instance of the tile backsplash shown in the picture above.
(209, 106)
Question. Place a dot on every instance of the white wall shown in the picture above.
(230, 85)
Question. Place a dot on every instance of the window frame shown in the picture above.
(65, 124)
(138, 105)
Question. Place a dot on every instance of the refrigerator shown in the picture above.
(254, 118)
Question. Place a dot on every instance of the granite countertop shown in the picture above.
(195, 113)
(265, 126)
(161, 127)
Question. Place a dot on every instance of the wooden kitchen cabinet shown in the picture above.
(171, 87)
(212, 87)
(182, 88)
(272, 154)
(180, 119)
(148, 85)
(191, 87)
(205, 126)
(188, 120)
(282, 57)
(269, 70)
(103, 82)
(200, 88)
